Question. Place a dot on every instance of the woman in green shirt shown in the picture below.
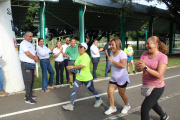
(84, 76)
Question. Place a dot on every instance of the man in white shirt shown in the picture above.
(43, 54)
(28, 58)
(95, 56)
(67, 44)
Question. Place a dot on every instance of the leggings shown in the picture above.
(152, 102)
(88, 84)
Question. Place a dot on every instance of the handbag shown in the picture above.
(146, 90)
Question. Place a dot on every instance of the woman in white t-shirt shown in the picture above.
(59, 64)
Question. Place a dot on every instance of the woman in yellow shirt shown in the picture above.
(129, 51)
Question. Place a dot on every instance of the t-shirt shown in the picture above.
(108, 48)
(26, 46)
(64, 49)
(128, 50)
(119, 75)
(83, 74)
(59, 58)
(153, 63)
(72, 52)
(43, 52)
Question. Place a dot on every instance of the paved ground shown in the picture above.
(49, 105)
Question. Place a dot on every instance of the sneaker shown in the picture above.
(98, 103)
(126, 109)
(33, 97)
(3, 92)
(134, 72)
(165, 118)
(30, 101)
(71, 85)
(110, 110)
(68, 107)
(128, 72)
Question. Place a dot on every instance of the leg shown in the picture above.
(74, 77)
(57, 72)
(70, 77)
(149, 102)
(91, 88)
(43, 65)
(107, 67)
(27, 77)
(67, 73)
(61, 72)
(132, 63)
(51, 72)
(128, 67)
(76, 87)
(123, 95)
(110, 91)
(1, 80)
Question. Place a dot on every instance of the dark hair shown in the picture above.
(95, 40)
(40, 39)
(57, 42)
(73, 39)
(118, 43)
(161, 46)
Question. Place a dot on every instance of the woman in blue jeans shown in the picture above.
(1, 80)
(43, 53)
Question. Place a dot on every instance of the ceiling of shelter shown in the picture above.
(65, 14)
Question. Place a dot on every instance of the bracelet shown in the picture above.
(71, 67)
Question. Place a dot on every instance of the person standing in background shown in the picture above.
(67, 40)
(107, 50)
(59, 64)
(95, 56)
(129, 51)
(43, 53)
(1, 80)
(28, 57)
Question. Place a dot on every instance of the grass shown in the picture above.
(172, 61)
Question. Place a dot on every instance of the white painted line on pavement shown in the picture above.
(115, 117)
(62, 103)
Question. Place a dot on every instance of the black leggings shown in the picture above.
(152, 102)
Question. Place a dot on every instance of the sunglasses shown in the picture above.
(80, 46)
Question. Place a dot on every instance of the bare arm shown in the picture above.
(106, 53)
(75, 67)
(120, 64)
(31, 56)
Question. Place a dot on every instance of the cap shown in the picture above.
(129, 42)
(84, 45)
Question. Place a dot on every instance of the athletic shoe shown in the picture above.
(165, 118)
(98, 103)
(3, 92)
(71, 85)
(30, 101)
(134, 72)
(110, 110)
(126, 109)
(128, 72)
(33, 97)
(68, 107)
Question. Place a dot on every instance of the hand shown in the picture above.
(109, 70)
(62, 50)
(140, 65)
(101, 49)
(36, 59)
(52, 47)
(68, 67)
(67, 56)
(110, 59)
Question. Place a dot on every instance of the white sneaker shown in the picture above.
(110, 110)
(126, 109)
(98, 103)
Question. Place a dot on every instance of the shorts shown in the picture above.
(71, 63)
(121, 86)
(129, 58)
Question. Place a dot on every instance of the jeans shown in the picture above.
(46, 66)
(28, 77)
(151, 102)
(107, 67)
(67, 72)
(95, 62)
(1, 80)
(59, 66)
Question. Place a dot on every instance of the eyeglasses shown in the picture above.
(80, 46)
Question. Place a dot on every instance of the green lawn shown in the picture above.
(173, 61)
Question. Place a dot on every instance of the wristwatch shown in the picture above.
(145, 68)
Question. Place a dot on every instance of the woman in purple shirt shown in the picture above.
(119, 76)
